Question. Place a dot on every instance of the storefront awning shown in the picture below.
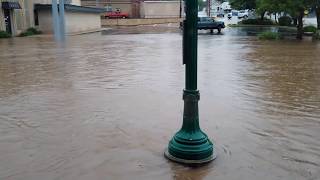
(11, 5)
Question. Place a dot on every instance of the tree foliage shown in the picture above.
(243, 4)
(202, 4)
(294, 8)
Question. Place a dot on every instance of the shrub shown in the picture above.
(316, 35)
(285, 21)
(30, 32)
(269, 36)
(256, 22)
(310, 29)
(4, 34)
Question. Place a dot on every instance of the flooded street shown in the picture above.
(104, 107)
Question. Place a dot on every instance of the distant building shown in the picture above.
(132, 7)
(18, 15)
(225, 6)
(161, 9)
(140, 8)
(78, 19)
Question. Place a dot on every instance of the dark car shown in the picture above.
(208, 23)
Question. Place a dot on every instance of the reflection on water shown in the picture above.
(104, 106)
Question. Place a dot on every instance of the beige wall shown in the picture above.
(160, 9)
(76, 22)
(81, 22)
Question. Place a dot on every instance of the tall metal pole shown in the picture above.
(209, 7)
(180, 9)
(62, 20)
(190, 145)
(55, 19)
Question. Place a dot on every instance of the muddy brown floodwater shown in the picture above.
(104, 106)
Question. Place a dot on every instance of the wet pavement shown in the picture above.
(104, 106)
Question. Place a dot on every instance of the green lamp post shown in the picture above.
(190, 145)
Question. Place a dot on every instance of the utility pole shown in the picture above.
(180, 9)
(209, 8)
(190, 145)
(62, 20)
(55, 19)
(58, 18)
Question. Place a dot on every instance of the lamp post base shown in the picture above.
(190, 145)
(190, 162)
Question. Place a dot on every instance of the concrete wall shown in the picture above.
(160, 9)
(82, 22)
(135, 22)
(76, 22)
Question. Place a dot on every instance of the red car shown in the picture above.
(116, 14)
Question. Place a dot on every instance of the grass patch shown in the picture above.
(269, 36)
(257, 22)
(4, 34)
(316, 35)
(30, 32)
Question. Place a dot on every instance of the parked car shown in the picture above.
(208, 23)
(243, 14)
(116, 14)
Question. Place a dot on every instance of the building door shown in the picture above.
(7, 20)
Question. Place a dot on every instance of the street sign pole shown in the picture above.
(190, 145)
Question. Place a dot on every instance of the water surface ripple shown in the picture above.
(104, 106)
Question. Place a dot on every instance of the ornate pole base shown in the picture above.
(190, 145)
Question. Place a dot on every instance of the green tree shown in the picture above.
(316, 6)
(243, 4)
(202, 4)
(296, 9)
